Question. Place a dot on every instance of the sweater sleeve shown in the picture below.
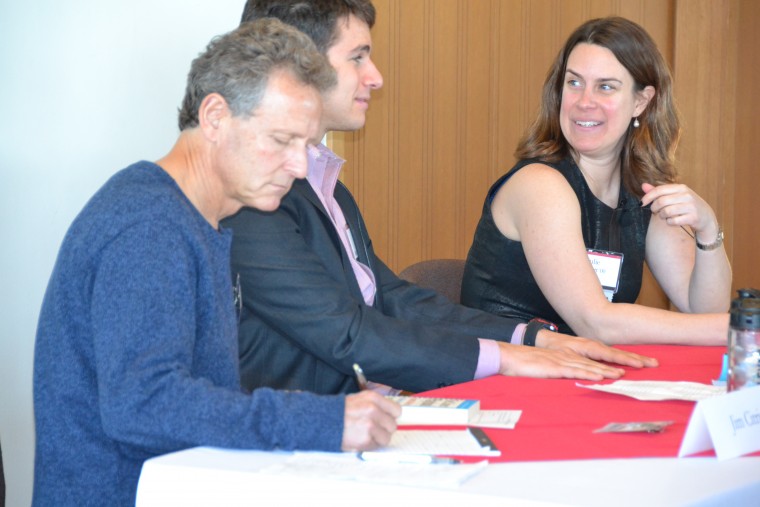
(166, 360)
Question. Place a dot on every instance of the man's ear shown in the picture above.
(211, 113)
(643, 98)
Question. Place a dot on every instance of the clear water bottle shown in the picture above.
(744, 341)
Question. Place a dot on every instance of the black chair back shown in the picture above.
(441, 275)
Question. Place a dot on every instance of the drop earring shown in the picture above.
(636, 122)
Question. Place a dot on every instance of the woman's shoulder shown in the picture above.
(535, 184)
(550, 170)
(536, 174)
(531, 172)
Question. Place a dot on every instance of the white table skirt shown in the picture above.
(205, 476)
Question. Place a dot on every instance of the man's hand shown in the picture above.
(369, 421)
(561, 356)
(592, 349)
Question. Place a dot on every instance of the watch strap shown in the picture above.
(532, 329)
(711, 246)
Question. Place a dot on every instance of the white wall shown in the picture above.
(86, 88)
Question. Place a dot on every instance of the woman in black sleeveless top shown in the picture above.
(564, 235)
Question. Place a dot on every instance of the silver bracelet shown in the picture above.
(711, 246)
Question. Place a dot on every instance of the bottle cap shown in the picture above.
(745, 310)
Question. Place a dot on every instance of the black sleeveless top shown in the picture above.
(497, 277)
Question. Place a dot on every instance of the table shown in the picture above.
(559, 418)
(545, 461)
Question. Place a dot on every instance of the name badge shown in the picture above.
(607, 267)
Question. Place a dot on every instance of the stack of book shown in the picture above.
(416, 410)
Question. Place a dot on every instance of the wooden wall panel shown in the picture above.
(463, 80)
(411, 136)
(446, 89)
(745, 239)
(705, 66)
(479, 139)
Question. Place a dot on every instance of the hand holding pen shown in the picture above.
(417, 459)
(369, 418)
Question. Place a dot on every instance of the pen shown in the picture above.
(360, 378)
(416, 459)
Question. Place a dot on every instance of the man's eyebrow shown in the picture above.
(365, 48)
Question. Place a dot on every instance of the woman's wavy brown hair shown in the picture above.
(648, 151)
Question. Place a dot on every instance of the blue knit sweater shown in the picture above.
(136, 351)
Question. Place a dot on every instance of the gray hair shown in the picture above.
(237, 66)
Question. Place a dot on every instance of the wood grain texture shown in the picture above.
(745, 239)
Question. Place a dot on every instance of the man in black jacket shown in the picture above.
(315, 297)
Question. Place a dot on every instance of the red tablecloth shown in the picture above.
(558, 418)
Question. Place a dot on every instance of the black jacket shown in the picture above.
(304, 321)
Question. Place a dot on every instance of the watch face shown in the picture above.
(551, 326)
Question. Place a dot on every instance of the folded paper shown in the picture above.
(729, 423)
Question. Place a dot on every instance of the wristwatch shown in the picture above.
(532, 329)
(711, 246)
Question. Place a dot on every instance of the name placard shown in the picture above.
(729, 423)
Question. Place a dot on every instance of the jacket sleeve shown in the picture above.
(297, 282)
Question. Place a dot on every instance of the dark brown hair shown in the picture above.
(648, 151)
(316, 18)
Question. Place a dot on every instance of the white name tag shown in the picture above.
(728, 423)
(607, 267)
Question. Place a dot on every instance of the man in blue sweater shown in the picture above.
(136, 351)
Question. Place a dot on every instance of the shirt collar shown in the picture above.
(323, 169)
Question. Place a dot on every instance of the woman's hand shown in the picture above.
(679, 205)
(695, 280)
